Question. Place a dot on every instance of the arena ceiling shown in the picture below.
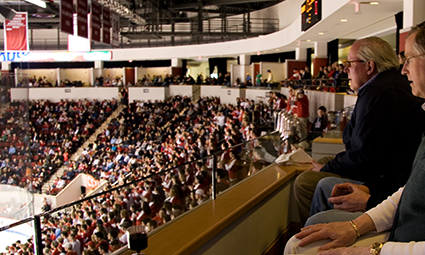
(161, 19)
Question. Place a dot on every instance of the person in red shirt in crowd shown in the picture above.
(302, 112)
(233, 168)
(296, 75)
(144, 213)
(280, 102)
(160, 216)
(291, 100)
(155, 204)
(84, 233)
(56, 249)
(225, 157)
(91, 247)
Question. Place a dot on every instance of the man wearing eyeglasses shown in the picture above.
(402, 213)
(380, 139)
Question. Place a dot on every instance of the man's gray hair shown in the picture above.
(419, 44)
(379, 51)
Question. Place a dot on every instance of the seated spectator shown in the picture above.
(295, 75)
(401, 213)
(319, 124)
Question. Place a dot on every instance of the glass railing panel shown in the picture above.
(324, 84)
(244, 160)
(17, 201)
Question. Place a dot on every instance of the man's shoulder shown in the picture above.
(390, 80)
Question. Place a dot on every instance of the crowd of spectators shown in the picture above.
(40, 137)
(158, 80)
(332, 78)
(148, 138)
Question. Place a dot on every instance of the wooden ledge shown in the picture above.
(190, 231)
(328, 140)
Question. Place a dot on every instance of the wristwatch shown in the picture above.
(376, 248)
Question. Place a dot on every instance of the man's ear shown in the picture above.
(371, 67)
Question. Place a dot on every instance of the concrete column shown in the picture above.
(6, 71)
(6, 66)
(98, 64)
(301, 54)
(320, 50)
(176, 62)
(320, 57)
(413, 12)
(244, 59)
(58, 76)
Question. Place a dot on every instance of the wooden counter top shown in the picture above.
(190, 231)
(328, 140)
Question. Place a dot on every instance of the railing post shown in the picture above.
(37, 236)
(214, 180)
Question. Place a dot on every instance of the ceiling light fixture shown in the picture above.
(374, 3)
(308, 40)
(344, 20)
(321, 33)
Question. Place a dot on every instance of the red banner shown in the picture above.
(95, 21)
(115, 18)
(82, 18)
(106, 25)
(16, 33)
(66, 13)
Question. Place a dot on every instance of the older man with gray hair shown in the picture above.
(380, 139)
(399, 219)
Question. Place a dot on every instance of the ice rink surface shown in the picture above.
(21, 232)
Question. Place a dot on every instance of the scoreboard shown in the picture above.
(311, 13)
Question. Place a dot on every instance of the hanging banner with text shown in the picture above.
(66, 14)
(106, 25)
(16, 33)
(115, 19)
(82, 18)
(95, 20)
